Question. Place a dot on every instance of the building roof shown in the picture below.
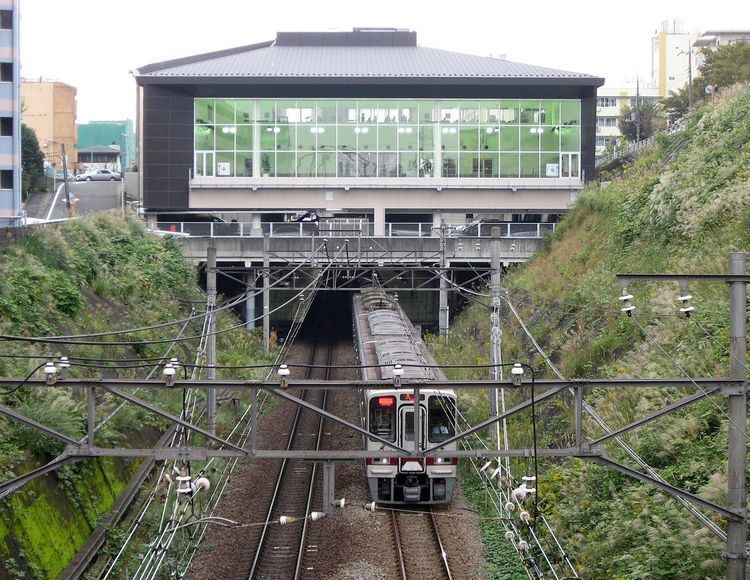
(99, 149)
(361, 54)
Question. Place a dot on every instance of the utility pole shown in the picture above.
(443, 314)
(690, 75)
(637, 109)
(211, 342)
(495, 335)
(266, 295)
(65, 177)
(736, 483)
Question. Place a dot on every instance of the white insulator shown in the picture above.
(523, 546)
(519, 494)
(370, 507)
(509, 535)
(284, 520)
(339, 503)
(528, 478)
(315, 516)
(485, 466)
(201, 484)
(50, 370)
(495, 472)
(183, 485)
(525, 516)
(510, 507)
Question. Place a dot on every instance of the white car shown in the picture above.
(99, 175)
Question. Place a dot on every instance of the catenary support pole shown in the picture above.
(211, 342)
(250, 280)
(443, 316)
(329, 486)
(736, 482)
(266, 295)
(495, 334)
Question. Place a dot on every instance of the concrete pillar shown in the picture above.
(379, 219)
(250, 279)
(443, 314)
(266, 294)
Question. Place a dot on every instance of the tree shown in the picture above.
(32, 158)
(651, 120)
(727, 65)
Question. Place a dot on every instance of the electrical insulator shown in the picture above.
(284, 520)
(525, 516)
(370, 507)
(169, 373)
(184, 486)
(519, 494)
(64, 365)
(50, 370)
(339, 503)
(509, 535)
(523, 546)
(686, 308)
(625, 299)
(315, 516)
(510, 507)
(283, 373)
(485, 466)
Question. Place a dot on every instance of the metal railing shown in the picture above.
(640, 145)
(354, 228)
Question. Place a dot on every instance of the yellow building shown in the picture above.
(49, 107)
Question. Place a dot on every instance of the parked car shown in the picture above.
(99, 175)
(305, 216)
(473, 229)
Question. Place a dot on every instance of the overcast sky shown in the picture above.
(93, 45)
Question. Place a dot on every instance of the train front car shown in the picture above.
(385, 337)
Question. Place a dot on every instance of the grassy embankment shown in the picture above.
(91, 275)
(680, 207)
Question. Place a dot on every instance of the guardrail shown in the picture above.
(634, 147)
(354, 228)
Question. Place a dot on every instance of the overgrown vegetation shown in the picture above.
(86, 276)
(673, 210)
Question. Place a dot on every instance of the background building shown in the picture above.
(610, 102)
(363, 123)
(118, 135)
(673, 57)
(713, 39)
(10, 115)
(49, 108)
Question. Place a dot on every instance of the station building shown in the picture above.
(364, 124)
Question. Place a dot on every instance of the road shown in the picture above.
(91, 195)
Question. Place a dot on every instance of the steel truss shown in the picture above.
(590, 450)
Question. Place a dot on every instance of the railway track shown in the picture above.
(281, 549)
(419, 548)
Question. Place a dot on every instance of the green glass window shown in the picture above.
(244, 112)
(387, 165)
(347, 111)
(550, 165)
(408, 165)
(224, 165)
(367, 164)
(509, 138)
(326, 111)
(408, 112)
(427, 138)
(387, 112)
(287, 112)
(489, 113)
(306, 137)
(347, 137)
(508, 112)
(204, 137)
(551, 110)
(450, 164)
(285, 137)
(267, 112)
(306, 112)
(244, 137)
(529, 165)
(570, 138)
(449, 138)
(387, 138)
(267, 163)
(489, 138)
(327, 137)
(550, 138)
(407, 138)
(469, 114)
(367, 138)
(225, 137)
(570, 113)
(347, 164)
(244, 164)
(469, 165)
(529, 138)
(488, 165)
(224, 112)
(204, 111)
(306, 164)
(268, 136)
(426, 166)
(426, 112)
(508, 165)
(450, 111)
(285, 164)
(469, 138)
(529, 112)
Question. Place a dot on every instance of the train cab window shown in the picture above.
(441, 419)
(409, 426)
(383, 417)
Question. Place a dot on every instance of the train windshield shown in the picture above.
(383, 417)
(441, 419)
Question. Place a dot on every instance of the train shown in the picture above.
(383, 337)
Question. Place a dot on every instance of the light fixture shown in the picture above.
(516, 374)
(398, 372)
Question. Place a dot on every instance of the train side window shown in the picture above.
(383, 417)
(441, 419)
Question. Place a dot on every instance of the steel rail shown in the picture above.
(443, 553)
(397, 540)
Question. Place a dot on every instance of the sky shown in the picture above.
(93, 45)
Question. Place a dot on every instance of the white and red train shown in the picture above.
(384, 337)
